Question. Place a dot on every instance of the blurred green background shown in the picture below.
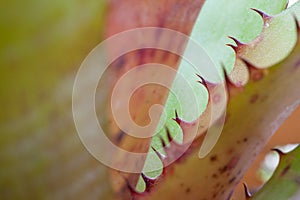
(42, 44)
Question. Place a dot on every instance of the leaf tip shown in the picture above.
(280, 153)
(247, 192)
(148, 181)
(264, 16)
(237, 42)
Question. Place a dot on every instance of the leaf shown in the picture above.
(174, 127)
(167, 14)
(201, 33)
(263, 109)
(284, 184)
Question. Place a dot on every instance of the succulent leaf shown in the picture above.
(218, 174)
(245, 64)
(284, 184)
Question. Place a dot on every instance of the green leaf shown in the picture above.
(285, 182)
(255, 113)
(211, 30)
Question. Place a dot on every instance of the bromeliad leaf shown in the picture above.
(284, 184)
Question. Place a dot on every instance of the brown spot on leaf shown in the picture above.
(215, 176)
(223, 169)
(231, 164)
(215, 195)
(231, 180)
(187, 190)
(213, 158)
(254, 98)
(285, 170)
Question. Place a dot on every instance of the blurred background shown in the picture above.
(42, 44)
